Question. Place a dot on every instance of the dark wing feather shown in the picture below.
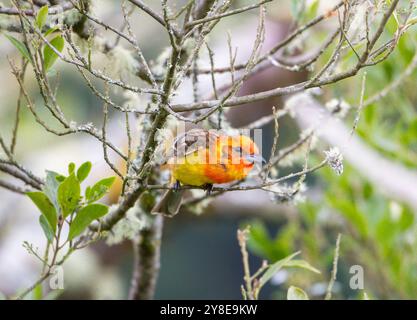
(192, 141)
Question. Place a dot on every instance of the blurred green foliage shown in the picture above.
(379, 233)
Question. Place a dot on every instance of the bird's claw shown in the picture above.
(209, 188)
(177, 185)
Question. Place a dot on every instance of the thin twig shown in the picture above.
(334, 269)
(242, 237)
(227, 14)
(361, 104)
(274, 145)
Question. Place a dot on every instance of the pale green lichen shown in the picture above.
(165, 139)
(284, 193)
(200, 207)
(122, 63)
(128, 227)
(335, 160)
(299, 154)
(338, 107)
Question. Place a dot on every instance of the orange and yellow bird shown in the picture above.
(203, 158)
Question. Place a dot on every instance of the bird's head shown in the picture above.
(242, 150)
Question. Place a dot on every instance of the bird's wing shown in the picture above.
(193, 140)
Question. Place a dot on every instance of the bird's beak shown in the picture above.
(255, 158)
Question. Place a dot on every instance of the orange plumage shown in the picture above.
(204, 158)
(210, 158)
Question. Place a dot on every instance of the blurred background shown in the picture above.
(200, 254)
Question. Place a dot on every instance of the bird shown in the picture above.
(202, 158)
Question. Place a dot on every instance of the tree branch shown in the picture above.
(146, 261)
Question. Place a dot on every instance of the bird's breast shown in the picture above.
(196, 170)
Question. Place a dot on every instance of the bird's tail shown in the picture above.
(169, 204)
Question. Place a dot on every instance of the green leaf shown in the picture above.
(45, 206)
(312, 9)
(88, 192)
(42, 16)
(260, 242)
(60, 178)
(51, 187)
(84, 217)
(46, 227)
(49, 55)
(20, 46)
(301, 264)
(37, 292)
(69, 192)
(71, 168)
(100, 188)
(83, 171)
(274, 268)
(295, 293)
(51, 30)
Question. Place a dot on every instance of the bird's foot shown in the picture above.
(177, 185)
(208, 187)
